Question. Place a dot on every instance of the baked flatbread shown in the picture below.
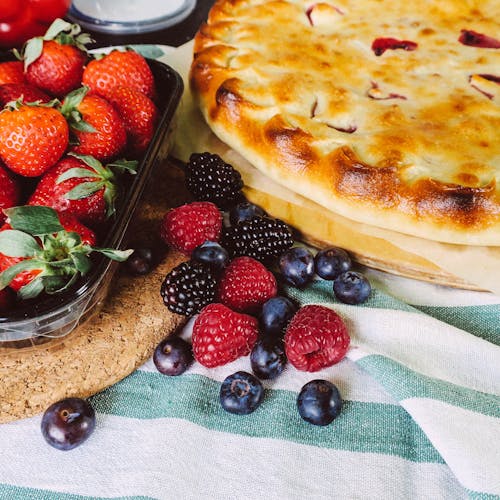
(386, 112)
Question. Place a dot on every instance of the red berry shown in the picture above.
(14, 91)
(246, 284)
(190, 225)
(316, 338)
(221, 335)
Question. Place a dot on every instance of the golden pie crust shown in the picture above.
(406, 139)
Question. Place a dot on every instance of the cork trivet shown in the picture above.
(112, 343)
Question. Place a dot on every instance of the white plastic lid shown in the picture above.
(129, 16)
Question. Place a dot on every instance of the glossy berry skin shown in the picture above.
(331, 262)
(14, 91)
(10, 192)
(68, 423)
(352, 288)
(268, 359)
(173, 356)
(211, 254)
(275, 315)
(297, 266)
(241, 393)
(11, 72)
(244, 211)
(140, 262)
(319, 402)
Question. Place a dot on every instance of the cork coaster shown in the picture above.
(114, 341)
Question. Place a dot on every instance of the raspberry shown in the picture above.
(316, 338)
(190, 225)
(221, 335)
(246, 284)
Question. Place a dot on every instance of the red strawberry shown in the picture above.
(15, 91)
(188, 226)
(246, 284)
(316, 338)
(55, 62)
(10, 193)
(119, 69)
(11, 72)
(82, 186)
(221, 335)
(139, 114)
(32, 138)
(98, 128)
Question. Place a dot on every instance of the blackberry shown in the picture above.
(188, 288)
(210, 178)
(261, 238)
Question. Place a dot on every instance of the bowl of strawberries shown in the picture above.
(80, 135)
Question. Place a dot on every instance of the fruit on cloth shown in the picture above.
(246, 284)
(25, 91)
(244, 211)
(141, 262)
(139, 116)
(188, 226)
(260, 237)
(331, 262)
(268, 358)
(297, 266)
(352, 287)
(211, 254)
(11, 72)
(210, 178)
(173, 356)
(275, 315)
(241, 393)
(221, 335)
(54, 62)
(68, 423)
(10, 193)
(41, 250)
(119, 69)
(188, 288)
(94, 121)
(82, 186)
(32, 138)
(319, 402)
(316, 338)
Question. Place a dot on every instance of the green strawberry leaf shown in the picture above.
(18, 244)
(111, 253)
(74, 98)
(150, 51)
(75, 173)
(81, 262)
(94, 164)
(34, 220)
(84, 190)
(58, 26)
(109, 198)
(121, 166)
(32, 289)
(32, 51)
(81, 125)
(11, 272)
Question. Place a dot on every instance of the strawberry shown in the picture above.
(15, 91)
(32, 137)
(10, 193)
(55, 62)
(188, 226)
(81, 186)
(221, 335)
(11, 72)
(125, 69)
(139, 115)
(246, 284)
(316, 338)
(41, 250)
(98, 128)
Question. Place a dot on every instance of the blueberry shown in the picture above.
(140, 262)
(352, 287)
(211, 253)
(268, 359)
(275, 315)
(173, 356)
(241, 393)
(68, 423)
(297, 266)
(319, 402)
(331, 262)
(244, 211)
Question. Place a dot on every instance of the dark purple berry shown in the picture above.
(268, 359)
(352, 288)
(68, 423)
(173, 356)
(244, 211)
(331, 262)
(319, 402)
(212, 254)
(297, 266)
(275, 315)
(241, 393)
(140, 262)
